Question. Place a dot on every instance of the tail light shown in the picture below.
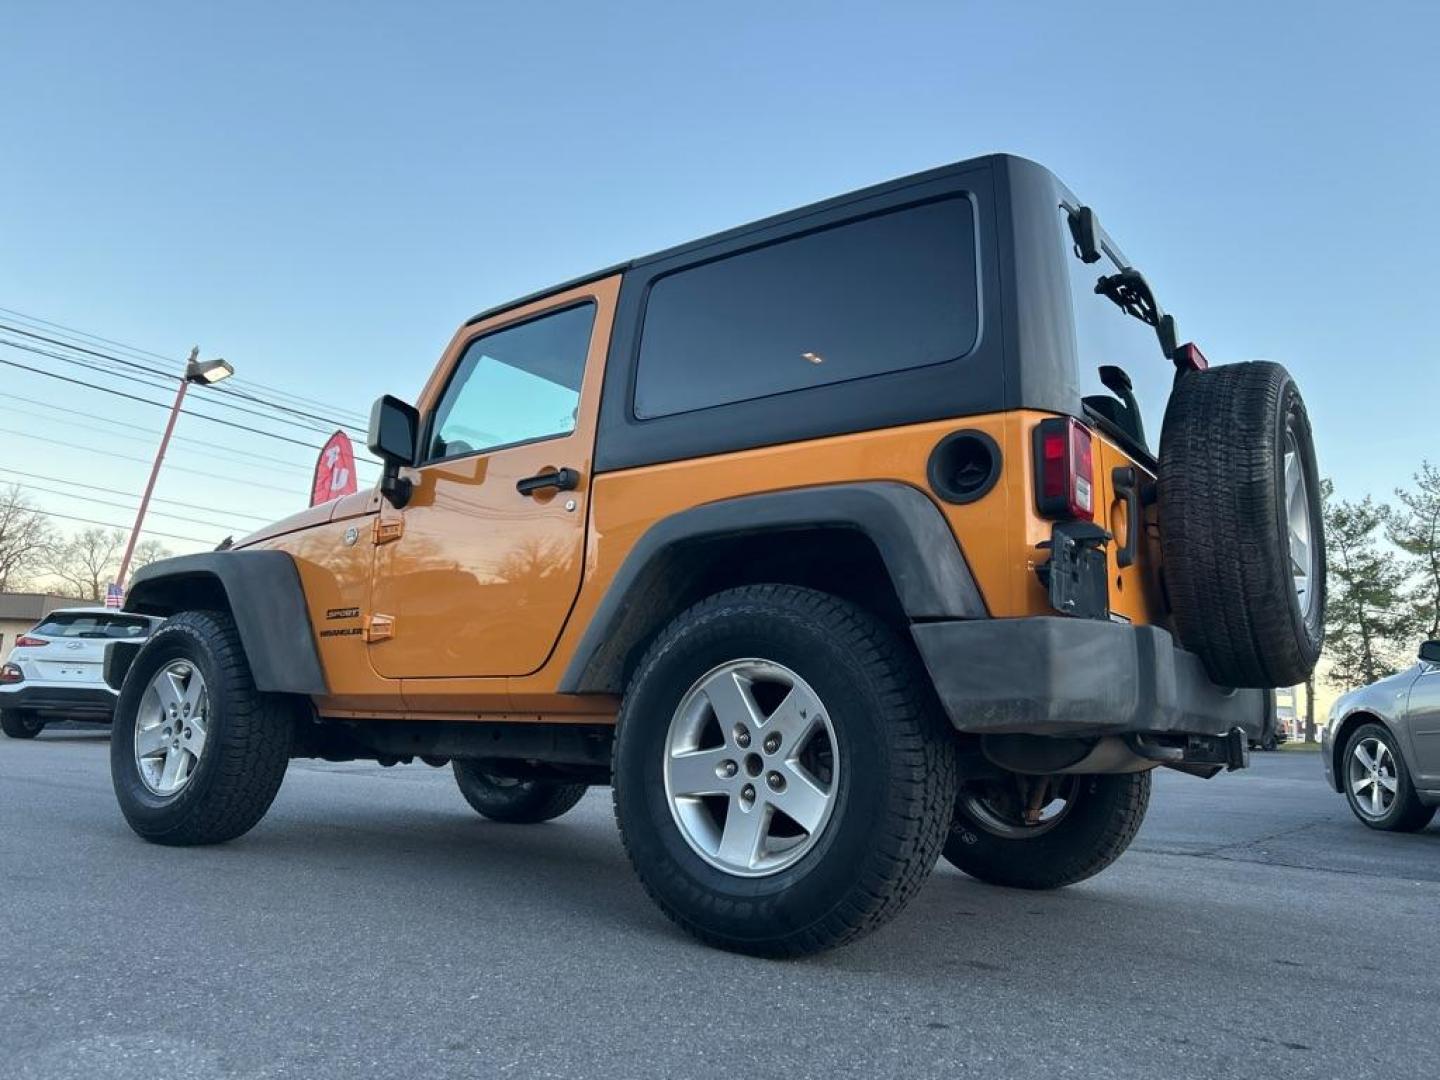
(1064, 469)
(26, 641)
(9, 673)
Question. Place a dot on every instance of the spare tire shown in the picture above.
(1241, 534)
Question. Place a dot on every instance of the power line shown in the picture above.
(154, 498)
(149, 370)
(149, 434)
(122, 528)
(143, 461)
(168, 383)
(109, 452)
(122, 506)
(143, 400)
(169, 360)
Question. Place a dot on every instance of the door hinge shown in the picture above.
(379, 628)
(388, 530)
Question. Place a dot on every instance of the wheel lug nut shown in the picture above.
(727, 769)
(772, 742)
(742, 737)
(747, 796)
(776, 781)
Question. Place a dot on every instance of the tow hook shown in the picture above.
(1200, 755)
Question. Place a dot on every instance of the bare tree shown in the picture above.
(25, 538)
(88, 562)
(146, 552)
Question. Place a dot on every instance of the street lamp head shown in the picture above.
(207, 372)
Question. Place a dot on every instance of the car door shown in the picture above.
(1423, 719)
(478, 572)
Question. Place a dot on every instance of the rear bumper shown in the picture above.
(1077, 677)
(60, 698)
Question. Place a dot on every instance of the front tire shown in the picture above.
(782, 778)
(197, 754)
(21, 723)
(1378, 785)
(514, 802)
(1093, 820)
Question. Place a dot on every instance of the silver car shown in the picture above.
(1381, 747)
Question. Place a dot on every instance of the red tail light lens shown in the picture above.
(1064, 468)
(26, 641)
(9, 673)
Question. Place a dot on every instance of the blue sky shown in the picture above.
(322, 192)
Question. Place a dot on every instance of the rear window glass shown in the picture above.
(1104, 334)
(882, 294)
(98, 625)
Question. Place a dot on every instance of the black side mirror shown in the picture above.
(394, 433)
(1430, 652)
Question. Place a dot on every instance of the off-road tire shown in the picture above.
(1407, 813)
(522, 802)
(1097, 829)
(893, 791)
(247, 745)
(1223, 532)
(20, 723)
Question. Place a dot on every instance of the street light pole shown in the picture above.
(211, 371)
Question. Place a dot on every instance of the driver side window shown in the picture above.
(516, 385)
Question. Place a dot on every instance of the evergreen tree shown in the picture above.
(1370, 617)
(1414, 527)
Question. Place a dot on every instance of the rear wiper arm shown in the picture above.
(1132, 294)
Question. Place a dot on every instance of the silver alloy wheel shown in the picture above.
(1374, 780)
(752, 767)
(1304, 568)
(1001, 820)
(171, 726)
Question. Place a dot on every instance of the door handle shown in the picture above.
(1127, 486)
(560, 480)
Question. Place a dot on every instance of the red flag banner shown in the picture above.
(335, 471)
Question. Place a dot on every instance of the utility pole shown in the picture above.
(205, 373)
(1310, 707)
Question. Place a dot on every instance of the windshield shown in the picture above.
(1105, 334)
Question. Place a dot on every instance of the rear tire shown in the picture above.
(221, 792)
(1102, 816)
(515, 802)
(21, 723)
(1384, 799)
(1240, 525)
(830, 698)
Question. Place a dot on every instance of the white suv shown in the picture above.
(55, 671)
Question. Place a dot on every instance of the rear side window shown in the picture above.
(515, 385)
(882, 294)
(93, 626)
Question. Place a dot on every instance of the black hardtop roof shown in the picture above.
(782, 218)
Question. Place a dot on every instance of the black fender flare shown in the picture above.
(919, 550)
(265, 597)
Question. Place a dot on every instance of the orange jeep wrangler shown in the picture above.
(833, 543)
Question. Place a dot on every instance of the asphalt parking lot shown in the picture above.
(373, 925)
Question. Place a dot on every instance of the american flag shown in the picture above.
(114, 596)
